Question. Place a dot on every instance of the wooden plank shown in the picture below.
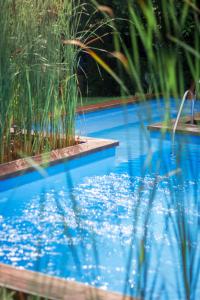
(181, 128)
(85, 147)
(114, 103)
(53, 288)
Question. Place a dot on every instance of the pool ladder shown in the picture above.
(180, 111)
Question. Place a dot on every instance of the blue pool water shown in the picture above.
(94, 218)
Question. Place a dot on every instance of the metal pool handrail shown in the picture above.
(179, 114)
(181, 108)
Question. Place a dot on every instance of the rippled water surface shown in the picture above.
(93, 219)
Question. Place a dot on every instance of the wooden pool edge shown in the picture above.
(24, 165)
(52, 288)
(182, 127)
(114, 103)
(86, 146)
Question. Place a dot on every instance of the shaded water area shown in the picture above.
(124, 220)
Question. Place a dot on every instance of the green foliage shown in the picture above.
(176, 18)
(162, 55)
(38, 84)
(6, 295)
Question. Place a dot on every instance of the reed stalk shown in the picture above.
(163, 59)
(38, 76)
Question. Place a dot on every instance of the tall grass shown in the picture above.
(164, 59)
(172, 63)
(38, 81)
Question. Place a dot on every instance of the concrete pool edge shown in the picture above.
(48, 287)
(86, 146)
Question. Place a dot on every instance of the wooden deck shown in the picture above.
(183, 127)
(87, 146)
(113, 103)
(53, 288)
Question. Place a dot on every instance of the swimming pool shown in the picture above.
(97, 218)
